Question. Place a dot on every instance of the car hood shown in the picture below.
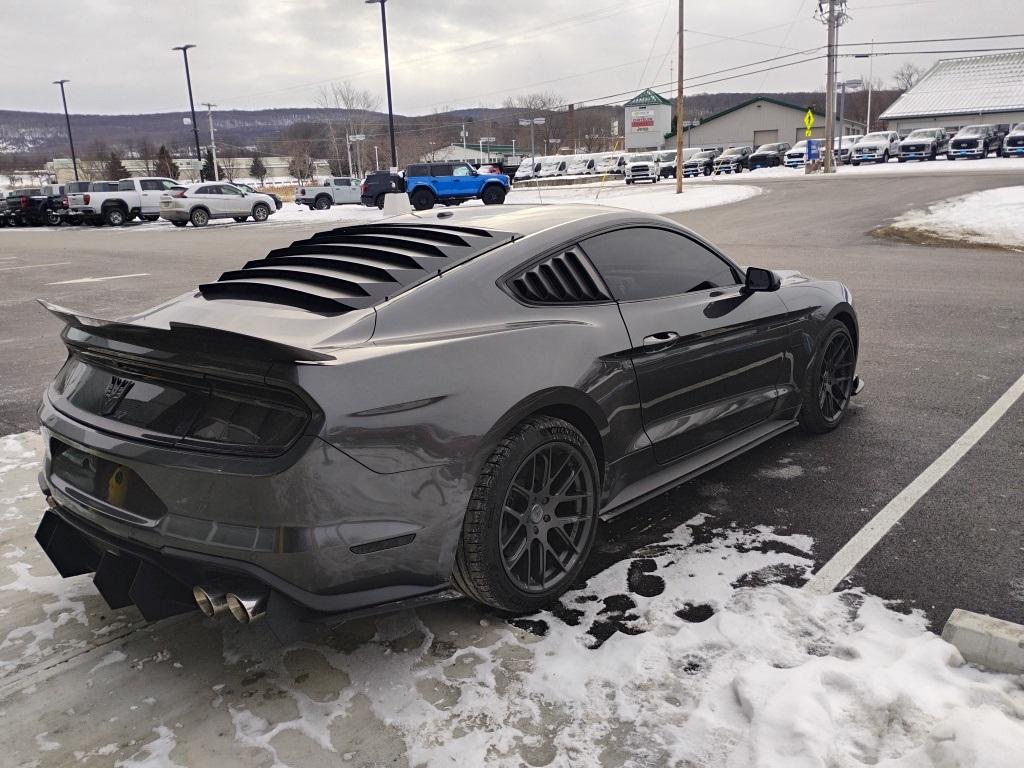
(918, 141)
(871, 145)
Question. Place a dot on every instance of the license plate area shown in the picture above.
(104, 480)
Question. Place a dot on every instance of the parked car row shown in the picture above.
(115, 203)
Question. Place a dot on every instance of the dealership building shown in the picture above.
(959, 92)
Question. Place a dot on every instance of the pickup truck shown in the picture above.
(451, 184)
(35, 205)
(336, 190)
(133, 197)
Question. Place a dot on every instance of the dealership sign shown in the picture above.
(641, 120)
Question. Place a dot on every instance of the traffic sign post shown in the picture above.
(808, 123)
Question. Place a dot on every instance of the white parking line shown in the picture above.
(847, 558)
(36, 266)
(99, 279)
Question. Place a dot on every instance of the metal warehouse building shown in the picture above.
(959, 92)
(757, 121)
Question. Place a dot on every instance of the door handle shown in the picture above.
(658, 341)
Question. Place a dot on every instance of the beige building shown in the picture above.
(757, 121)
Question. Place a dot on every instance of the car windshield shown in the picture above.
(733, 151)
(667, 157)
(1017, 128)
(768, 148)
(642, 159)
(800, 146)
(704, 155)
(876, 137)
(923, 133)
(972, 130)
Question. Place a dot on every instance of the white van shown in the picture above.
(553, 166)
(582, 165)
(527, 169)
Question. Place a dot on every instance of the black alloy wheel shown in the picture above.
(546, 517)
(532, 518)
(828, 382)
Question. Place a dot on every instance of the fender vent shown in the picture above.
(565, 278)
(349, 268)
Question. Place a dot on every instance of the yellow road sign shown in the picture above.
(808, 122)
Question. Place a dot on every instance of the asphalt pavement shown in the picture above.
(942, 337)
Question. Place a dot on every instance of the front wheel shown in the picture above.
(531, 518)
(885, 157)
(260, 212)
(828, 382)
(492, 195)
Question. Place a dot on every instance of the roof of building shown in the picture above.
(970, 85)
(747, 103)
(648, 98)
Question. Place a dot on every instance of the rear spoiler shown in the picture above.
(185, 337)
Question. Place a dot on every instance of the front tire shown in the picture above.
(492, 195)
(827, 384)
(260, 212)
(53, 218)
(531, 519)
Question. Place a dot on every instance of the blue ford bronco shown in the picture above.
(451, 184)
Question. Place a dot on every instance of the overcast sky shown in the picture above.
(444, 53)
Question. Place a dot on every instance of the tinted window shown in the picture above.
(440, 170)
(225, 189)
(125, 186)
(646, 263)
(153, 185)
(419, 170)
(211, 190)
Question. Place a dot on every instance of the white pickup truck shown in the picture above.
(133, 197)
(336, 190)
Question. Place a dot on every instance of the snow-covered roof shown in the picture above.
(965, 86)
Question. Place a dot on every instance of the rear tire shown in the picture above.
(523, 521)
(827, 384)
(199, 217)
(422, 199)
(115, 217)
(492, 195)
(53, 218)
(260, 212)
(322, 203)
(379, 201)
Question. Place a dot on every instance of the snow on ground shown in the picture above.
(892, 168)
(989, 217)
(696, 650)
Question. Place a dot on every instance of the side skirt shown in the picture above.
(692, 466)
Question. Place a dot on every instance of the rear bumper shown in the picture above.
(174, 214)
(312, 526)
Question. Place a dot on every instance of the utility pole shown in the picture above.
(71, 141)
(387, 77)
(213, 142)
(871, 76)
(191, 104)
(830, 96)
(679, 109)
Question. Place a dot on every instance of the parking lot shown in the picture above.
(942, 338)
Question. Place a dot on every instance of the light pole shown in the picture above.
(71, 141)
(191, 104)
(871, 67)
(387, 77)
(213, 142)
(486, 140)
(842, 105)
(359, 153)
(532, 122)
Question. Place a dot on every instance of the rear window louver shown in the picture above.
(355, 267)
(564, 278)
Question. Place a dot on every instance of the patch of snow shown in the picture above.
(114, 657)
(155, 754)
(45, 744)
(990, 217)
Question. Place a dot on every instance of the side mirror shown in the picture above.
(759, 279)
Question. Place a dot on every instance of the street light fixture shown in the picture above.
(71, 141)
(191, 104)
(387, 77)
(854, 83)
(485, 140)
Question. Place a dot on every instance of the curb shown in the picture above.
(988, 642)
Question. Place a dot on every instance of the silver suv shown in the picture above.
(201, 202)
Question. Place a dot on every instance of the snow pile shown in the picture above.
(690, 654)
(990, 217)
(648, 198)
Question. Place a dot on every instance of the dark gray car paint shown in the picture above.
(419, 389)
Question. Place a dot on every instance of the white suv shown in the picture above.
(201, 202)
(643, 168)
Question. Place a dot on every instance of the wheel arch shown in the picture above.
(114, 203)
(844, 314)
(199, 206)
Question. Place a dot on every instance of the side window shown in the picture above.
(419, 170)
(460, 170)
(126, 186)
(210, 190)
(648, 263)
(152, 185)
(342, 183)
(225, 189)
(441, 170)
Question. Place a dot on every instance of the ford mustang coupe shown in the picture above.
(444, 403)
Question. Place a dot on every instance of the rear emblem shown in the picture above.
(112, 397)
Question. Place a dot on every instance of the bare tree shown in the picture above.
(906, 77)
(357, 107)
(147, 154)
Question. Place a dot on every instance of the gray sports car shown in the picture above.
(443, 403)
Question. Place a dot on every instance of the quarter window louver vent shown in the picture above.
(564, 278)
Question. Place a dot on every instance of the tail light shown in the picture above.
(362, 188)
(179, 193)
(86, 199)
(63, 202)
(23, 203)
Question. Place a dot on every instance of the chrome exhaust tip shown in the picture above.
(247, 606)
(211, 599)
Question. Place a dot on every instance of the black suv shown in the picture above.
(377, 184)
(975, 141)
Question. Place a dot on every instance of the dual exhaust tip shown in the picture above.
(246, 604)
